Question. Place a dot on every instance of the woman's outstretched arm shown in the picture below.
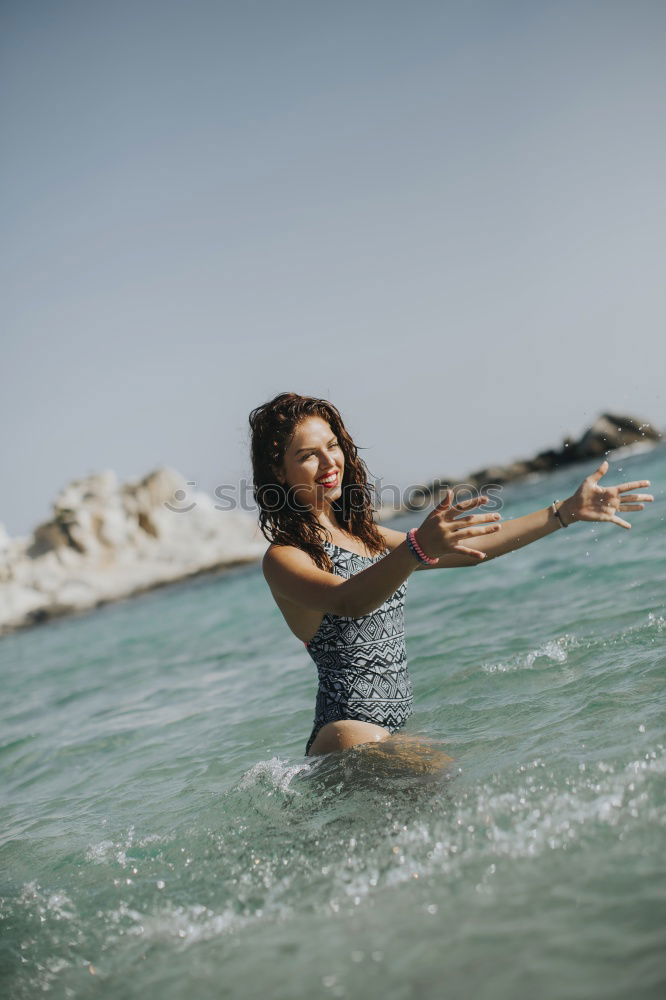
(514, 534)
(590, 502)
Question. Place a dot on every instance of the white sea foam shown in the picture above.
(184, 924)
(274, 772)
(105, 851)
(554, 650)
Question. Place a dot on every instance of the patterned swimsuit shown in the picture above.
(362, 662)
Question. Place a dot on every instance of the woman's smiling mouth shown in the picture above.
(328, 481)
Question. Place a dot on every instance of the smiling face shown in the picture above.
(313, 464)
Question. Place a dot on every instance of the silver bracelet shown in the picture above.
(557, 514)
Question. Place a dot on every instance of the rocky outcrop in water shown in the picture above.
(108, 540)
(609, 432)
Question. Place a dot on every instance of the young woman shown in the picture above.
(339, 578)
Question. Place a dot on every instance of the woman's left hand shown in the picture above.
(592, 502)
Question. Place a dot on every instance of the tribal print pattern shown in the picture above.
(361, 662)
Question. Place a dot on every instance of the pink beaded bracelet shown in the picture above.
(418, 551)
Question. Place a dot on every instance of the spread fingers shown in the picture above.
(476, 519)
(623, 487)
(467, 504)
(477, 530)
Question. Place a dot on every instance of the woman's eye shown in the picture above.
(304, 458)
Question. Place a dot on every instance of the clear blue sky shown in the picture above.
(446, 217)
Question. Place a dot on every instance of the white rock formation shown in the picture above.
(108, 540)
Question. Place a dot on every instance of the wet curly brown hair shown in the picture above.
(281, 519)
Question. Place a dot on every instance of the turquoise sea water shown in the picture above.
(163, 836)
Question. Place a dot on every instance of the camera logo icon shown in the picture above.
(179, 496)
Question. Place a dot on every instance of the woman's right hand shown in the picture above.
(444, 531)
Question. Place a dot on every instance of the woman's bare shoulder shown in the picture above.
(284, 555)
(294, 577)
(278, 558)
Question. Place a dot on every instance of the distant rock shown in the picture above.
(609, 432)
(108, 540)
